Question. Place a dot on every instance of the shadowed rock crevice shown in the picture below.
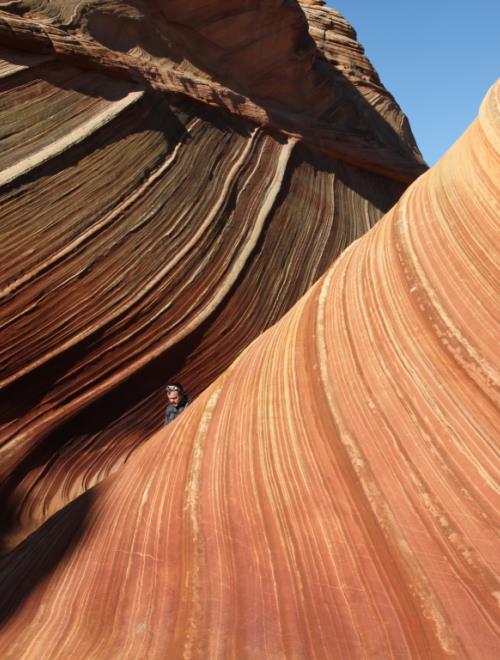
(33, 561)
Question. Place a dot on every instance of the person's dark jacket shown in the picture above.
(173, 411)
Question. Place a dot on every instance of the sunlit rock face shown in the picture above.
(174, 177)
(332, 494)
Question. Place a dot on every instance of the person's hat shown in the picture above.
(175, 387)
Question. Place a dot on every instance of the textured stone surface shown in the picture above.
(333, 493)
(155, 220)
(254, 59)
(351, 70)
(174, 177)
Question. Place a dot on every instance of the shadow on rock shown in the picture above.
(31, 562)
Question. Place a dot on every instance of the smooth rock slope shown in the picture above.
(174, 177)
(334, 493)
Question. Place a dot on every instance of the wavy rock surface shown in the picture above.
(254, 59)
(159, 210)
(333, 493)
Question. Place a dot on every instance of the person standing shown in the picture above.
(177, 401)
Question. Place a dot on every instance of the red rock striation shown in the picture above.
(337, 44)
(174, 177)
(254, 59)
(333, 493)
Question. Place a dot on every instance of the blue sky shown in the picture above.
(438, 58)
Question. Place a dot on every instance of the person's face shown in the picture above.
(174, 397)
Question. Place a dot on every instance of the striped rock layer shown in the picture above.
(334, 493)
(174, 177)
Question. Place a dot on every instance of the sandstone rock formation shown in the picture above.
(174, 177)
(333, 493)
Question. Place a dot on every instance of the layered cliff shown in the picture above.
(256, 60)
(174, 177)
(333, 493)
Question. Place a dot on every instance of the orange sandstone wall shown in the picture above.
(166, 195)
(333, 493)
